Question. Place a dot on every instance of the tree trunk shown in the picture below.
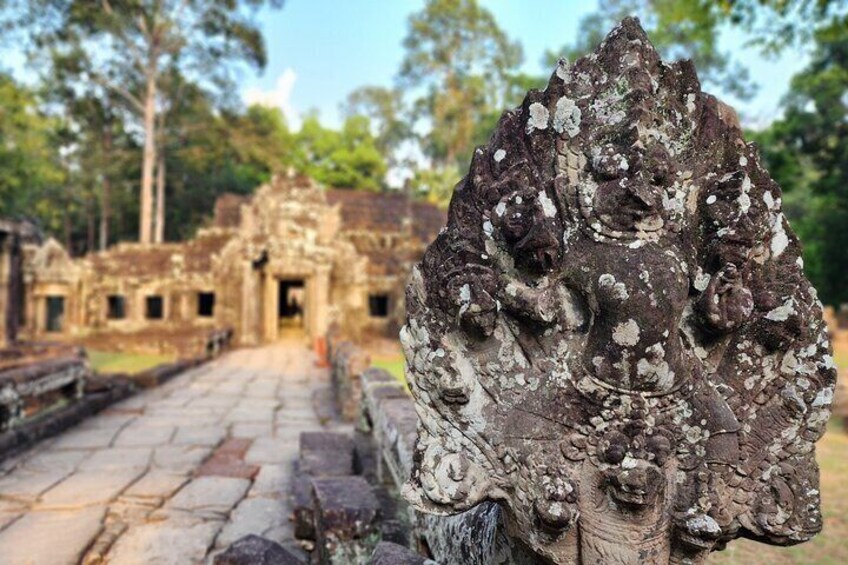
(105, 211)
(160, 197)
(91, 224)
(146, 212)
(69, 241)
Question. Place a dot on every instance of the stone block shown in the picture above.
(387, 553)
(346, 519)
(254, 550)
(303, 514)
(326, 454)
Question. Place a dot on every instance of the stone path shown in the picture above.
(172, 475)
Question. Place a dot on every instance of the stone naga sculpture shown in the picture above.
(613, 337)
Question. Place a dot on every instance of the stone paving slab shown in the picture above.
(152, 479)
(50, 537)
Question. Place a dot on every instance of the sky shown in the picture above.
(321, 50)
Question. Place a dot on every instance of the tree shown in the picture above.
(457, 65)
(807, 153)
(348, 158)
(387, 112)
(778, 24)
(32, 174)
(679, 29)
(128, 47)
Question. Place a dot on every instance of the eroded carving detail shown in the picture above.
(613, 336)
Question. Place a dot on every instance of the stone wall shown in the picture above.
(345, 252)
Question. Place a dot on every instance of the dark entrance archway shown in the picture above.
(291, 303)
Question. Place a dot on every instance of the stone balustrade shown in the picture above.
(32, 389)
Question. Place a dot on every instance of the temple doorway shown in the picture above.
(291, 306)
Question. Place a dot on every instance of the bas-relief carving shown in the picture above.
(613, 337)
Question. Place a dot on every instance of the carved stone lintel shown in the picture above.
(614, 338)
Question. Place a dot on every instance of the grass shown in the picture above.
(120, 362)
(392, 364)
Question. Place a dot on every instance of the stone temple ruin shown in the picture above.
(613, 355)
(292, 258)
(613, 338)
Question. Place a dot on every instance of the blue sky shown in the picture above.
(321, 50)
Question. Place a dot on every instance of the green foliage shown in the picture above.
(32, 176)
(349, 158)
(457, 66)
(679, 29)
(394, 365)
(807, 153)
(778, 24)
(387, 112)
(435, 185)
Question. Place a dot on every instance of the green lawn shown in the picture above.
(118, 362)
(841, 358)
(393, 365)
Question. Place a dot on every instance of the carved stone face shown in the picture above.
(614, 334)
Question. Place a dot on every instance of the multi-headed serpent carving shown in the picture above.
(613, 337)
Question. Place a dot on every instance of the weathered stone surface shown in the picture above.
(254, 550)
(270, 451)
(228, 461)
(82, 489)
(322, 454)
(157, 503)
(346, 514)
(156, 484)
(253, 516)
(165, 542)
(272, 481)
(62, 536)
(303, 511)
(387, 553)
(614, 337)
(325, 454)
(215, 495)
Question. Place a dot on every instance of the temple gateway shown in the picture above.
(290, 260)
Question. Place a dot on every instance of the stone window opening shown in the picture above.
(205, 304)
(154, 308)
(378, 305)
(116, 307)
(55, 314)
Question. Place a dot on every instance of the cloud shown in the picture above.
(277, 97)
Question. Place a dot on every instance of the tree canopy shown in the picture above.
(134, 102)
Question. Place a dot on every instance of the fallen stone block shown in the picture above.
(346, 520)
(254, 550)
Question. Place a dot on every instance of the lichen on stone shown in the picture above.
(629, 347)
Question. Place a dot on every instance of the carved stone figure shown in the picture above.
(613, 336)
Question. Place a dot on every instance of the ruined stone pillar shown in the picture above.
(613, 338)
(320, 306)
